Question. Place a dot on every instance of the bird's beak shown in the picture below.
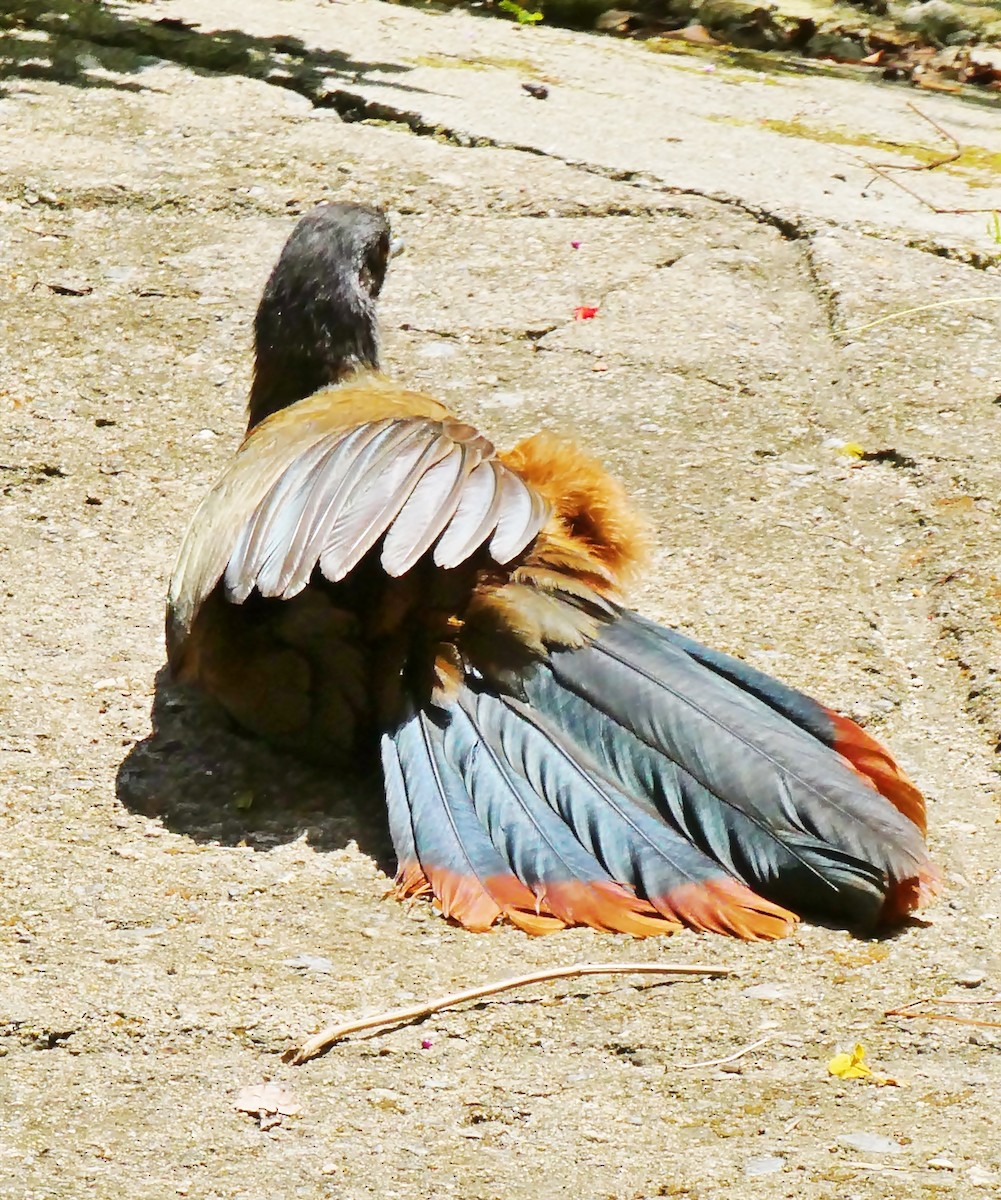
(396, 246)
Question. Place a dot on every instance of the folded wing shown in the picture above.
(322, 498)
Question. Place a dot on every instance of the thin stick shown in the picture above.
(323, 1040)
(908, 312)
(907, 1010)
(882, 169)
(937, 1016)
(882, 173)
(878, 1168)
(894, 1012)
(929, 166)
(720, 1062)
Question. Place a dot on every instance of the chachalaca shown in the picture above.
(369, 572)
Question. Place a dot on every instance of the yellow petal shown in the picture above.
(839, 1064)
(850, 1066)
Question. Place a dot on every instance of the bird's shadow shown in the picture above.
(200, 777)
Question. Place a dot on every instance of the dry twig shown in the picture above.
(721, 1062)
(322, 1041)
(883, 169)
(876, 1168)
(957, 149)
(905, 1010)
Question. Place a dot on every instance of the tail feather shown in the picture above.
(642, 782)
(539, 846)
(438, 837)
(864, 753)
(752, 759)
(875, 764)
(410, 878)
(632, 844)
(785, 863)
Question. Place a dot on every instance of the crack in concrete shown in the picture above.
(827, 296)
(499, 336)
(286, 62)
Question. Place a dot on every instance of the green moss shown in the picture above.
(754, 63)
(485, 62)
(971, 158)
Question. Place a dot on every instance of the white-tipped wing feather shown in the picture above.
(309, 497)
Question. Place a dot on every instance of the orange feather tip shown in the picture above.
(604, 906)
(875, 763)
(410, 881)
(477, 904)
(726, 906)
(906, 896)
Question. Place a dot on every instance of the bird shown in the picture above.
(371, 581)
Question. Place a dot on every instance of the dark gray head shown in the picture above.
(316, 323)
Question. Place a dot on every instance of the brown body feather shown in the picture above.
(317, 671)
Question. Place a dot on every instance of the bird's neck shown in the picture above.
(287, 372)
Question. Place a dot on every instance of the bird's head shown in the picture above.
(316, 322)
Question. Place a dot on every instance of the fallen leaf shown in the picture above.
(698, 35)
(69, 285)
(268, 1102)
(871, 1143)
(935, 83)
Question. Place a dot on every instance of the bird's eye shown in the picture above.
(373, 270)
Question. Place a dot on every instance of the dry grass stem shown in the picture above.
(957, 149)
(909, 312)
(721, 1062)
(883, 169)
(907, 1010)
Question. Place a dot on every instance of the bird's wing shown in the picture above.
(315, 487)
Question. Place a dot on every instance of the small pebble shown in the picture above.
(871, 1143)
(310, 962)
(767, 1164)
(971, 978)
(765, 991)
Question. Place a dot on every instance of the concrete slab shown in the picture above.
(171, 894)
